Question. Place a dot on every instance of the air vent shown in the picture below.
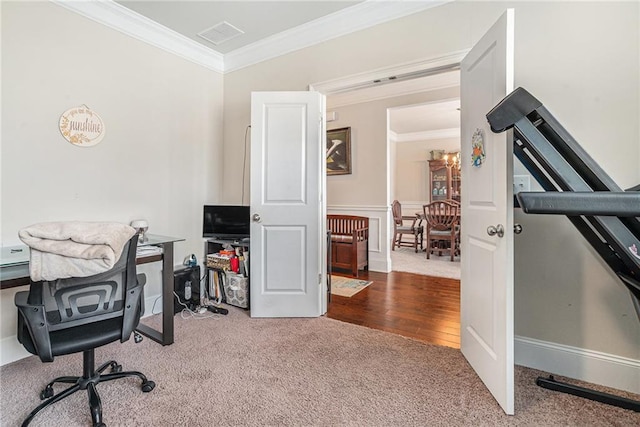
(220, 33)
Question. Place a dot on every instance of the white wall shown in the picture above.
(161, 155)
(582, 60)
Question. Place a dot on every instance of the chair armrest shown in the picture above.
(132, 307)
(415, 218)
(36, 322)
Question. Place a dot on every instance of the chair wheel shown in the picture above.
(116, 368)
(148, 386)
(100, 425)
(46, 393)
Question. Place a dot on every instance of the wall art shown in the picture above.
(81, 126)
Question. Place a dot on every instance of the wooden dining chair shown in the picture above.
(443, 230)
(410, 228)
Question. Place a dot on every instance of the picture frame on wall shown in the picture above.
(339, 151)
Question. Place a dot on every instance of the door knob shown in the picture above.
(499, 230)
(256, 218)
(517, 228)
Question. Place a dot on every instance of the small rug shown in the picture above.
(347, 286)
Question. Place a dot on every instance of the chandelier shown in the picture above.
(452, 160)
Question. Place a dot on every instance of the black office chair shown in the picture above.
(74, 315)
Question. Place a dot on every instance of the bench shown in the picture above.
(349, 242)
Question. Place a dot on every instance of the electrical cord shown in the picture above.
(187, 312)
(244, 160)
(153, 307)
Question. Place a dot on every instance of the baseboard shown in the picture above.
(11, 350)
(378, 265)
(153, 302)
(586, 365)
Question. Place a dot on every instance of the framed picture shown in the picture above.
(339, 151)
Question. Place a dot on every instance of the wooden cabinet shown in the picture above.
(444, 181)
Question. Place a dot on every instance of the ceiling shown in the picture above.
(434, 118)
(273, 26)
(257, 20)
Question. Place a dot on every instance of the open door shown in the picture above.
(486, 286)
(287, 205)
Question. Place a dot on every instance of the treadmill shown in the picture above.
(577, 187)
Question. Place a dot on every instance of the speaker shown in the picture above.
(186, 285)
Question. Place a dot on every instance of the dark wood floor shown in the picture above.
(420, 307)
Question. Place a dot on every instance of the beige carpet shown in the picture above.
(347, 286)
(238, 371)
(406, 259)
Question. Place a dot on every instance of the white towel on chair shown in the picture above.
(60, 250)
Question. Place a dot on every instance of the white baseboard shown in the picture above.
(152, 305)
(586, 365)
(379, 265)
(11, 350)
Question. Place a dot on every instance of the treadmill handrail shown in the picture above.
(570, 203)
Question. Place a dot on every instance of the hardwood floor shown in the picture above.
(420, 307)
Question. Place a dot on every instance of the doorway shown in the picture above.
(420, 116)
(367, 191)
(424, 142)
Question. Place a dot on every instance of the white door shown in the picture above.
(486, 305)
(287, 208)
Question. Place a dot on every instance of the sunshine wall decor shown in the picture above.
(81, 126)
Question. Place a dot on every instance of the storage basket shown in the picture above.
(236, 290)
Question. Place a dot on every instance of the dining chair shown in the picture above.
(443, 230)
(415, 231)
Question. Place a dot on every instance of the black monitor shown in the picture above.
(225, 222)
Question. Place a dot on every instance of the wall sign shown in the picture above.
(81, 126)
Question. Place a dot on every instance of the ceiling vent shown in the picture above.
(220, 33)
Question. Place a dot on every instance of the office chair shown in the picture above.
(75, 315)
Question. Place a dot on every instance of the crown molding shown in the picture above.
(349, 20)
(118, 17)
(425, 135)
(355, 18)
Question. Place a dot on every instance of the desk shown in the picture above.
(17, 274)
